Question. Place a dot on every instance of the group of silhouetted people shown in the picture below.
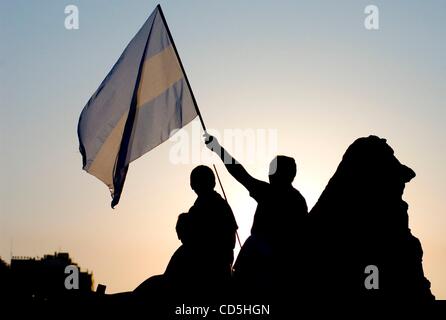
(208, 231)
(360, 220)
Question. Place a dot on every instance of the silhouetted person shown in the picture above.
(360, 220)
(207, 232)
(267, 258)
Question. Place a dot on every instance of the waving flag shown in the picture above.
(144, 97)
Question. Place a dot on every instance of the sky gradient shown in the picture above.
(309, 70)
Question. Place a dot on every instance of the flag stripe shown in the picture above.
(159, 73)
(174, 109)
(104, 162)
(159, 38)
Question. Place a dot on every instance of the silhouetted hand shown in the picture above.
(211, 142)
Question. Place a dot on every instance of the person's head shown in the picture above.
(282, 170)
(202, 180)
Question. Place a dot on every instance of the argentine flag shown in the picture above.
(143, 98)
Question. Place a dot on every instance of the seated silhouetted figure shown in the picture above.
(361, 220)
(203, 263)
(267, 259)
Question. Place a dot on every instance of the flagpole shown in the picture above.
(193, 100)
(182, 68)
(226, 199)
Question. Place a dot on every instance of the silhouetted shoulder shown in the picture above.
(259, 190)
(302, 203)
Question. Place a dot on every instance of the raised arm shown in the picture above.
(233, 166)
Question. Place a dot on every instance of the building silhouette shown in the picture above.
(29, 279)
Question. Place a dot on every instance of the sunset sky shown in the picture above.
(309, 71)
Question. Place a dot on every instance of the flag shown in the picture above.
(143, 98)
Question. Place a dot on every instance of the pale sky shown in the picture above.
(309, 70)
